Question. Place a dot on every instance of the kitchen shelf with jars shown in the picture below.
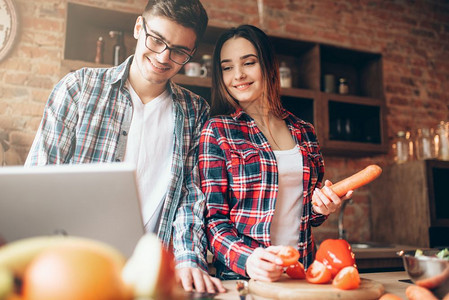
(96, 37)
(339, 90)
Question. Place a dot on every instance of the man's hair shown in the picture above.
(188, 13)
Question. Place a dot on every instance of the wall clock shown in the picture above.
(8, 27)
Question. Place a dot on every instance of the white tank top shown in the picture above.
(287, 216)
(150, 148)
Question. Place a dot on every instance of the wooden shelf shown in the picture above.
(194, 81)
(363, 106)
(85, 24)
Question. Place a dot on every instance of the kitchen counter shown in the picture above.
(390, 281)
(380, 259)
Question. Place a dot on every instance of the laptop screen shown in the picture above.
(98, 201)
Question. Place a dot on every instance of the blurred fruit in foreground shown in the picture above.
(17, 255)
(6, 283)
(150, 271)
(74, 272)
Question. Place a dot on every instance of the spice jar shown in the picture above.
(286, 75)
(425, 144)
(99, 56)
(343, 87)
(206, 61)
(401, 147)
(442, 140)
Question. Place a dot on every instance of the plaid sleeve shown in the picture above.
(189, 240)
(225, 243)
(314, 148)
(53, 143)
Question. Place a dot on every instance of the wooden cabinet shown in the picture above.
(409, 204)
(346, 124)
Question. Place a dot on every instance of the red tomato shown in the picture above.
(318, 273)
(347, 279)
(296, 271)
(335, 254)
(289, 255)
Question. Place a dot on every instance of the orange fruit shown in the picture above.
(296, 271)
(318, 273)
(74, 273)
(289, 255)
(347, 279)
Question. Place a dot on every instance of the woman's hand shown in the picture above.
(327, 202)
(264, 264)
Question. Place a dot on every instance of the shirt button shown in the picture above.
(124, 133)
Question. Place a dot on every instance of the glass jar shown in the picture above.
(424, 144)
(206, 61)
(343, 87)
(411, 147)
(442, 140)
(401, 147)
(286, 75)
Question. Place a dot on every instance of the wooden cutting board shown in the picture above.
(287, 288)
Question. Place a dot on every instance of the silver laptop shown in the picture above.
(98, 201)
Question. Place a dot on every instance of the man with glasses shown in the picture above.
(134, 113)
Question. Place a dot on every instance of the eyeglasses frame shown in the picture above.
(189, 56)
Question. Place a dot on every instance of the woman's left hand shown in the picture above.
(325, 201)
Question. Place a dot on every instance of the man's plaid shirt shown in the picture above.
(239, 178)
(87, 119)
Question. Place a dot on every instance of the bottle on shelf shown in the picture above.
(119, 50)
(401, 148)
(286, 75)
(206, 61)
(425, 144)
(99, 57)
(442, 140)
(329, 83)
(411, 145)
(343, 87)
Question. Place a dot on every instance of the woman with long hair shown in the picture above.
(260, 166)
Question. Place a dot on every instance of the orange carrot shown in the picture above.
(415, 292)
(357, 180)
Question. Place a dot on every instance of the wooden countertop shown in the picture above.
(390, 281)
(380, 252)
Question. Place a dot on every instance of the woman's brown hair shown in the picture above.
(222, 102)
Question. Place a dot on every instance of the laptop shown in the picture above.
(98, 201)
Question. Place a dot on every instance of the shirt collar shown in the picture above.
(240, 113)
(121, 72)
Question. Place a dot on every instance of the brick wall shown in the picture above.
(412, 35)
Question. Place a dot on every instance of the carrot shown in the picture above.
(390, 296)
(415, 292)
(357, 180)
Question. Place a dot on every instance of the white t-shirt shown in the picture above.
(150, 148)
(287, 215)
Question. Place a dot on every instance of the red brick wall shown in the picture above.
(413, 37)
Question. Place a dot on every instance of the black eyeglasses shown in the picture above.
(157, 45)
